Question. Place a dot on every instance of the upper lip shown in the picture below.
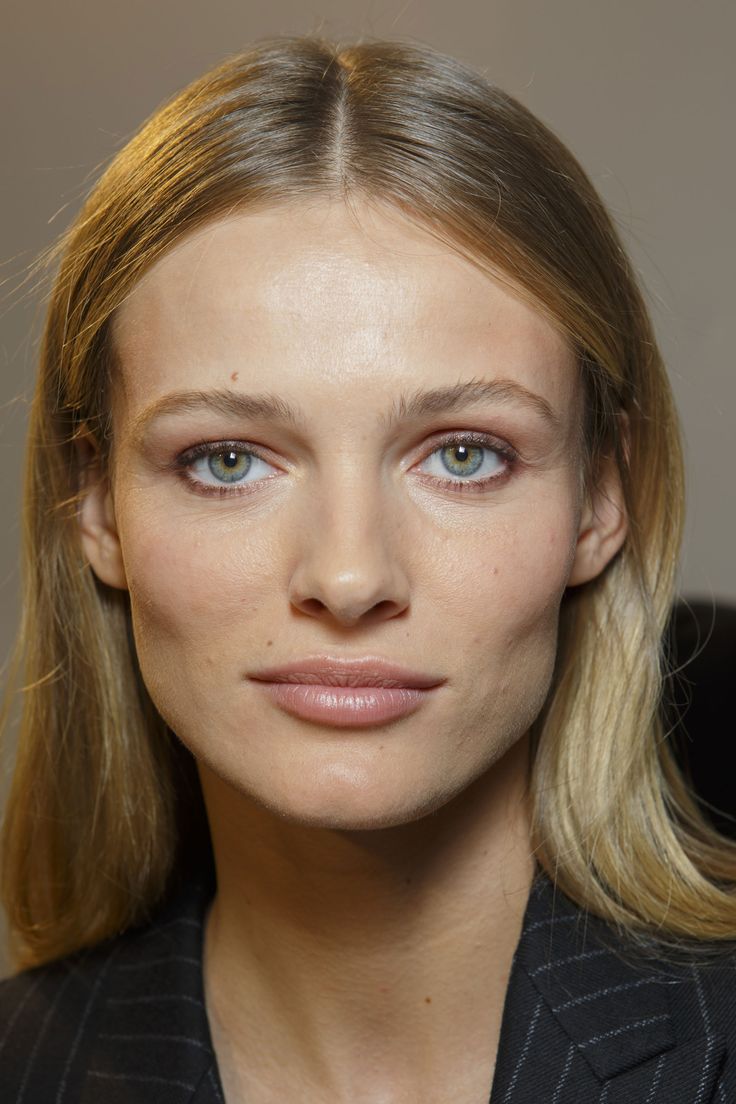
(339, 671)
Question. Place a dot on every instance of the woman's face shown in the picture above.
(356, 527)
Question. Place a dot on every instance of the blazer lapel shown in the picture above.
(152, 1041)
(587, 1018)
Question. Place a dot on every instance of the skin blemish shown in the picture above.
(234, 376)
(427, 1000)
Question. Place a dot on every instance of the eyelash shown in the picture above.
(185, 461)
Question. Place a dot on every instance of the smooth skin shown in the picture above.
(372, 881)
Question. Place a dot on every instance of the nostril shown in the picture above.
(312, 605)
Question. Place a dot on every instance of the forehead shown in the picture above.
(315, 297)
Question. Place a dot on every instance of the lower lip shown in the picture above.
(345, 706)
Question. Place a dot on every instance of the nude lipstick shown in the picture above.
(346, 693)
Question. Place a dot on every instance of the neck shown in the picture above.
(367, 955)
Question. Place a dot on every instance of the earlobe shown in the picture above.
(603, 526)
(96, 518)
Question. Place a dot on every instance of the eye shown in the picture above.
(469, 461)
(461, 462)
(222, 467)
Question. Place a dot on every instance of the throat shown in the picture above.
(368, 965)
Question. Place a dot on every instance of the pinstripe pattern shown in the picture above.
(606, 991)
(44, 1026)
(585, 1019)
(18, 1011)
(122, 1023)
(61, 1093)
(524, 1052)
(564, 1075)
(613, 1026)
(652, 1094)
(130, 1078)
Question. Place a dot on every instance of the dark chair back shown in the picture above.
(699, 704)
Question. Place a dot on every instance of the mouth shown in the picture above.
(346, 693)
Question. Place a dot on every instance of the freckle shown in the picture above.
(427, 1000)
(234, 376)
(269, 643)
(383, 989)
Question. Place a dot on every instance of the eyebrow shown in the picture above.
(407, 407)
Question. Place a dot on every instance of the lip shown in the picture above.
(346, 693)
(340, 671)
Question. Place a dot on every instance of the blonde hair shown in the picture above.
(96, 822)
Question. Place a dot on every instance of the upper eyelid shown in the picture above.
(483, 437)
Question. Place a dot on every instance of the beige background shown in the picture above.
(641, 90)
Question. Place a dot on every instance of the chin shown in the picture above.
(342, 802)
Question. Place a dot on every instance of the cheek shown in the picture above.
(507, 580)
(191, 587)
(509, 621)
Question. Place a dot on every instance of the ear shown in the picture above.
(96, 516)
(603, 524)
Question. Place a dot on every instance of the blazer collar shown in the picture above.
(152, 1040)
(616, 1009)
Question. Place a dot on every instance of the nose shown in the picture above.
(349, 568)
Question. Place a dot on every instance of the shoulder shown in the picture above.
(604, 1009)
(706, 989)
(73, 1028)
(44, 1014)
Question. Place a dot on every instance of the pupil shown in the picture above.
(230, 459)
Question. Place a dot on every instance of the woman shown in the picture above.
(353, 508)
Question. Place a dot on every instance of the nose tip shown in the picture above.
(348, 558)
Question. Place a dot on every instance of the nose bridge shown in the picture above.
(349, 557)
(350, 496)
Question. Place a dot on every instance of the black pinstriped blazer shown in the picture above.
(584, 1022)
